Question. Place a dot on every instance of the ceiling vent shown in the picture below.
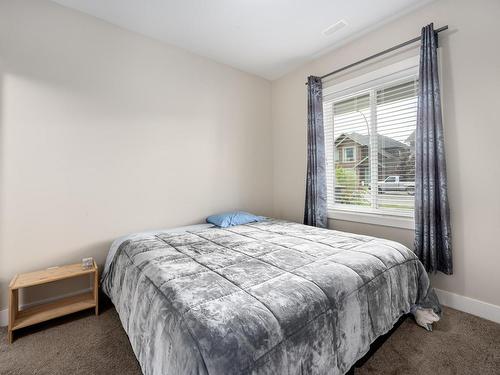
(335, 27)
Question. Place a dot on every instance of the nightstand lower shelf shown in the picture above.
(47, 311)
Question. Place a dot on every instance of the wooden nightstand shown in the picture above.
(46, 311)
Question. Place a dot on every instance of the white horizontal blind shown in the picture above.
(396, 124)
(370, 148)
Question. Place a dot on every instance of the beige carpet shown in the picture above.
(86, 344)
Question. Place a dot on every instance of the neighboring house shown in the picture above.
(394, 158)
(411, 141)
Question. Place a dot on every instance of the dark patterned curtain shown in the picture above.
(315, 211)
(432, 213)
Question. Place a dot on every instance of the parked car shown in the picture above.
(395, 184)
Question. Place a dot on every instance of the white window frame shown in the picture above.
(387, 75)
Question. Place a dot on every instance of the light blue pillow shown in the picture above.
(228, 219)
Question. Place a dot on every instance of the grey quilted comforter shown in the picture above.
(273, 297)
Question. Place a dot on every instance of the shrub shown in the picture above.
(348, 190)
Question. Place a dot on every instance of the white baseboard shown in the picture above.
(4, 317)
(4, 314)
(469, 305)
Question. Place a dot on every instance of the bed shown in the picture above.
(272, 297)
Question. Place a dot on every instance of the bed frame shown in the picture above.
(376, 345)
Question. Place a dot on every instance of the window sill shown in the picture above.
(405, 222)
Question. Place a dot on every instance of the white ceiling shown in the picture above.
(266, 37)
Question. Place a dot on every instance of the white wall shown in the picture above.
(104, 132)
(471, 78)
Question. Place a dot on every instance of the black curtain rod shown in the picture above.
(380, 53)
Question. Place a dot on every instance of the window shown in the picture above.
(349, 154)
(372, 122)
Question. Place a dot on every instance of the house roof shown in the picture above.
(364, 140)
(411, 137)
